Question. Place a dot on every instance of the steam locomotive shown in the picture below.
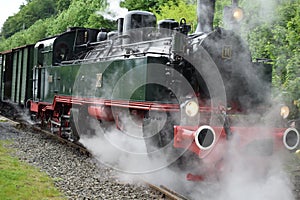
(187, 92)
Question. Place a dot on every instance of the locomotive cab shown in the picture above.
(59, 50)
(71, 45)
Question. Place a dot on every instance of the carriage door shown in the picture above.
(37, 74)
(7, 75)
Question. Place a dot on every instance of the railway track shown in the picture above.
(166, 193)
(36, 129)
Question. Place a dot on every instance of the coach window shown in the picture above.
(61, 52)
(82, 37)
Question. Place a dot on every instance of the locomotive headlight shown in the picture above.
(233, 14)
(284, 111)
(238, 13)
(191, 108)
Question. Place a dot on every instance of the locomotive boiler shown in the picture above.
(188, 92)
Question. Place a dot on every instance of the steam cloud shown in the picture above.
(252, 178)
(114, 11)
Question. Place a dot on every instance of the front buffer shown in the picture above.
(213, 146)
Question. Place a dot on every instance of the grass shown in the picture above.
(19, 180)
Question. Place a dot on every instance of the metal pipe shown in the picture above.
(205, 15)
(235, 2)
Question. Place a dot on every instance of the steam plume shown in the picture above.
(113, 11)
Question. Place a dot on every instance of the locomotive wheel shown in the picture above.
(82, 123)
(79, 121)
(158, 137)
(74, 133)
(153, 131)
(158, 133)
(45, 121)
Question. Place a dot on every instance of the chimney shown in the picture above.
(205, 15)
(235, 2)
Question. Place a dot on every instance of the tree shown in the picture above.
(178, 10)
(146, 5)
(33, 11)
(81, 13)
(188, 9)
(278, 38)
(63, 5)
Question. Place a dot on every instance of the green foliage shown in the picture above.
(80, 13)
(146, 5)
(187, 9)
(277, 37)
(63, 5)
(178, 10)
(28, 15)
(218, 18)
(29, 36)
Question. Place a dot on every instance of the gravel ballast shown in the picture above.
(77, 176)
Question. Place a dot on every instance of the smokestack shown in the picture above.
(205, 15)
(235, 2)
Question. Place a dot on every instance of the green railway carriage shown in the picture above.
(1, 75)
(16, 74)
(6, 74)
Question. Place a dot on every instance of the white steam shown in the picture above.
(113, 11)
(260, 11)
(124, 151)
(254, 178)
